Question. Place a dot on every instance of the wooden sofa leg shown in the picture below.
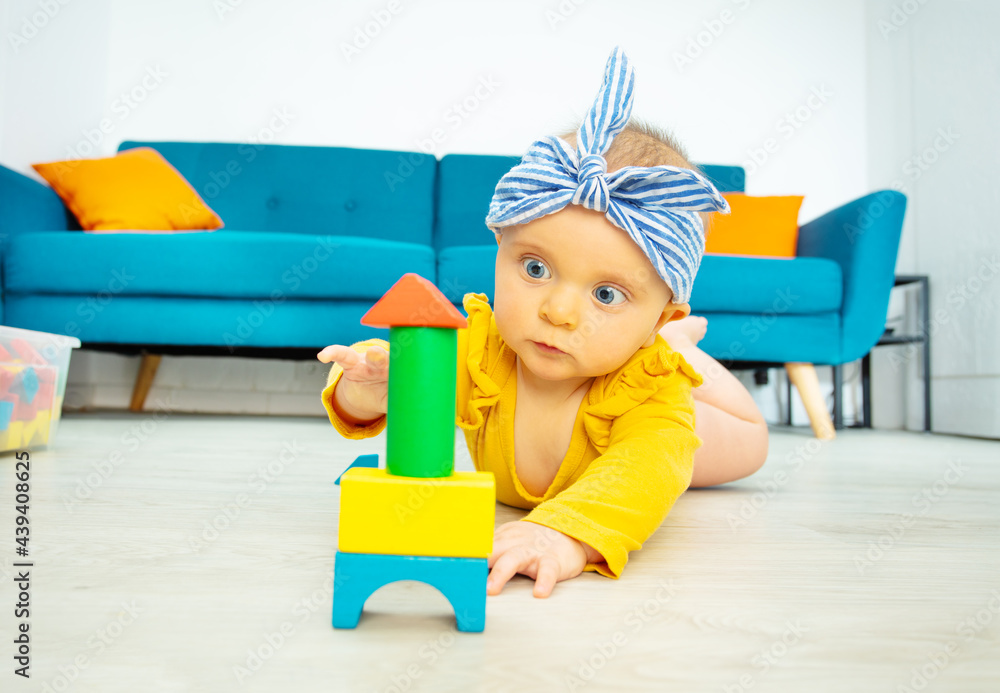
(803, 377)
(144, 380)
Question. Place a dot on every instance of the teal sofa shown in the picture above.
(314, 236)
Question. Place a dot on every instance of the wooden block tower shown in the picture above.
(417, 519)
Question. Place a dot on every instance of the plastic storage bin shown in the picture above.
(33, 369)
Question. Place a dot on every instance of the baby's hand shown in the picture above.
(541, 553)
(363, 390)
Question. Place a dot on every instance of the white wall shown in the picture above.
(54, 74)
(212, 75)
(934, 108)
(222, 74)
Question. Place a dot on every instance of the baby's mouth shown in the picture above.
(547, 349)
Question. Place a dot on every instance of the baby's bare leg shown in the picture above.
(726, 417)
(733, 447)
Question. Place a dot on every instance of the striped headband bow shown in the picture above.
(656, 206)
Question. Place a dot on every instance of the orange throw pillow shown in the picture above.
(135, 190)
(755, 226)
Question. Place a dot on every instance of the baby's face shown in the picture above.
(574, 281)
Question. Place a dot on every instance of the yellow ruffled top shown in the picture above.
(630, 457)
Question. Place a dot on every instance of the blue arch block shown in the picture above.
(360, 461)
(461, 580)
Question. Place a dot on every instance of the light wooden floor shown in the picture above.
(760, 585)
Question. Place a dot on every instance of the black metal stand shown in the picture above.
(893, 339)
(838, 397)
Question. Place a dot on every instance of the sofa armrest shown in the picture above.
(861, 236)
(27, 205)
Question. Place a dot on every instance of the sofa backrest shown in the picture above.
(466, 183)
(725, 178)
(27, 205)
(314, 190)
(464, 189)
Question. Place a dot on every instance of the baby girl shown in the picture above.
(582, 389)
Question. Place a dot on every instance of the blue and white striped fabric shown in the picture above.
(656, 206)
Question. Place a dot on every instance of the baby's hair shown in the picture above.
(643, 144)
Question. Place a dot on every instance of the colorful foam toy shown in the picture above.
(27, 396)
(417, 519)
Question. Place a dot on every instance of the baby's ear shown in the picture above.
(497, 236)
(673, 311)
(678, 311)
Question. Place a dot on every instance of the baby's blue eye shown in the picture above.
(609, 295)
(534, 268)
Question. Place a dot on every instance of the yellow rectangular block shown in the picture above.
(407, 516)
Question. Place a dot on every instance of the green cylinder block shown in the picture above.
(420, 434)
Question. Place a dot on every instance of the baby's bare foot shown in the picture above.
(692, 329)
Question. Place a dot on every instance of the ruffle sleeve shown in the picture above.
(633, 384)
(485, 358)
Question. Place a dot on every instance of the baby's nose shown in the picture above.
(561, 308)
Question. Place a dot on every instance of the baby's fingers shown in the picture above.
(371, 365)
(506, 566)
(377, 358)
(547, 576)
(344, 355)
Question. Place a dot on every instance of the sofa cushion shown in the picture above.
(196, 321)
(339, 191)
(772, 338)
(222, 264)
(758, 226)
(797, 286)
(137, 189)
(801, 286)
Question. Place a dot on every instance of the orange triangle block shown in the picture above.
(414, 301)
